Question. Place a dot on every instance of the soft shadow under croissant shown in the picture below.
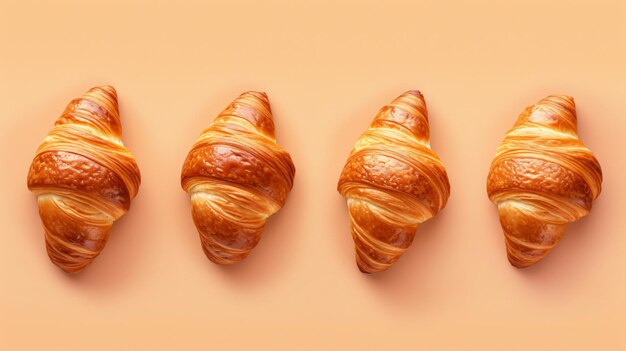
(542, 178)
(84, 179)
(392, 181)
(237, 176)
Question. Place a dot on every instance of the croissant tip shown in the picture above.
(70, 268)
(564, 96)
(220, 257)
(517, 263)
(73, 271)
(105, 95)
(107, 89)
(363, 269)
(257, 94)
(366, 268)
(564, 102)
(72, 265)
(520, 259)
(414, 93)
(411, 98)
(560, 99)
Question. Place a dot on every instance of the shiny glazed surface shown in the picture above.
(84, 179)
(393, 182)
(237, 176)
(327, 67)
(542, 178)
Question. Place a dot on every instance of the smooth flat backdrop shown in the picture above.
(327, 68)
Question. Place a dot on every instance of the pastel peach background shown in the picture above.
(327, 67)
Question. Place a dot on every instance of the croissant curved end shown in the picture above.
(107, 92)
(73, 239)
(260, 95)
(230, 221)
(555, 111)
(528, 239)
(406, 112)
(381, 235)
(104, 96)
(254, 108)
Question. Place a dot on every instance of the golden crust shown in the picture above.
(84, 179)
(542, 178)
(77, 173)
(237, 177)
(392, 181)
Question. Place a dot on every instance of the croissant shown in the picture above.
(392, 181)
(542, 178)
(84, 179)
(237, 177)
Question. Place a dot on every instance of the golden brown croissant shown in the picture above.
(393, 182)
(84, 179)
(542, 178)
(237, 177)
